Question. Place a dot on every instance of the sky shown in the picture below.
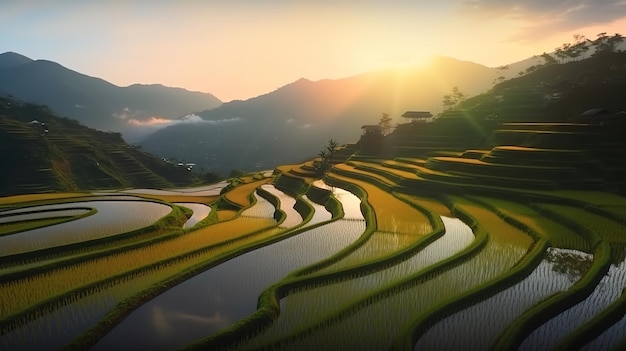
(238, 49)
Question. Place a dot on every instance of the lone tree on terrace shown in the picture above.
(385, 123)
(326, 155)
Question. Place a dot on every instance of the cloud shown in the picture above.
(166, 122)
(152, 121)
(126, 113)
(547, 17)
(222, 121)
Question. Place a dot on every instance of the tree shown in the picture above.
(385, 123)
(326, 155)
(549, 60)
(605, 43)
(450, 101)
(581, 45)
(560, 53)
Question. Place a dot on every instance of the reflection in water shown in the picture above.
(200, 212)
(300, 309)
(222, 295)
(605, 293)
(350, 202)
(287, 204)
(261, 208)
(478, 326)
(70, 212)
(54, 330)
(112, 218)
(320, 213)
(207, 190)
(569, 262)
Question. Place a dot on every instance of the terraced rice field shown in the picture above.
(311, 306)
(374, 322)
(381, 254)
(477, 327)
(605, 293)
(200, 212)
(226, 293)
(114, 218)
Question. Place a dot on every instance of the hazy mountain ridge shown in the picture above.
(290, 123)
(12, 59)
(94, 101)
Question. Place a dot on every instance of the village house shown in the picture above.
(418, 116)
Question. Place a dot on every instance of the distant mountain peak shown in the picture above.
(62, 90)
(11, 59)
(298, 83)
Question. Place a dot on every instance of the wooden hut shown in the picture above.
(418, 116)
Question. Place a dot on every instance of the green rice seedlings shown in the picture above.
(261, 208)
(478, 326)
(205, 190)
(351, 203)
(30, 291)
(235, 286)
(25, 215)
(611, 339)
(432, 205)
(308, 306)
(375, 325)
(556, 233)
(112, 218)
(200, 212)
(240, 195)
(86, 309)
(287, 204)
(608, 290)
(399, 226)
(21, 226)
(320, 214)
(607, 229)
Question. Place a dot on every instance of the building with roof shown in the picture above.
(418, 116)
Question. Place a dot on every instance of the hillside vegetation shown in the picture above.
(553, 92)
(42, 152)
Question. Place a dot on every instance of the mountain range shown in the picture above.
(95, 102)
(248, 135)
(294, 121)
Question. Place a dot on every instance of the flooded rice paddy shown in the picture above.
(366, 309)
(478, 326)
(307, 307)
(219, 297)
(112, 218)
(200, 212)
